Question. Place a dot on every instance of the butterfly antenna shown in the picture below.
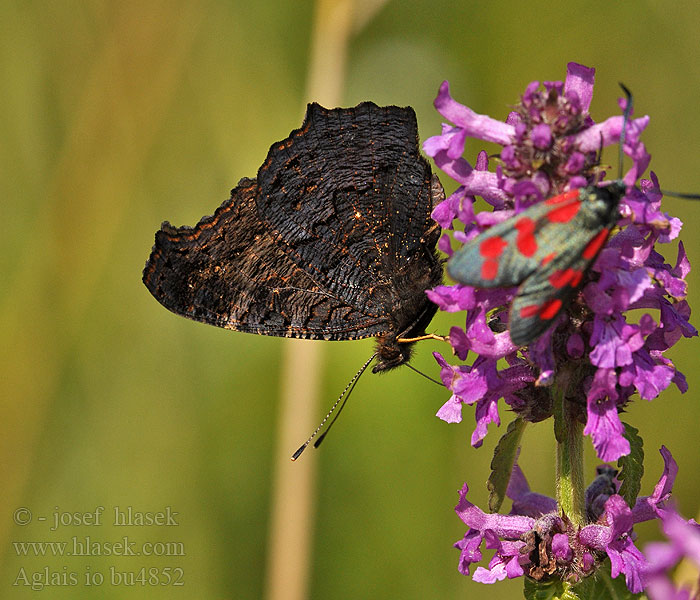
(321, 437)
(342, 398)
(428, 377)
(623, 133)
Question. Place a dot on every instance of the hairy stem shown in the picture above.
(570, 482)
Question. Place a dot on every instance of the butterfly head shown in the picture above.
(391, 353)
(392, 349)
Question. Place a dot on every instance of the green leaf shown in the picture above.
(631, 466)
(543, 590)
(556, 589)
(602, 585)
(504, 457)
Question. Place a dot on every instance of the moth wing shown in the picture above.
(548, 291)
(507, 254)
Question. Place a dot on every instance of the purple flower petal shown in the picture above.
(459, 342)
(451, 141)
(541, 136)
(615, 540)
(649, 507)
(445, 244)
(486, 413)
(451, 411)
(579, 80)
(526, 502)
(610, 349)
(685, 535)
(497, 573)
(682, 267)
(684, 542)
(649, 378)
(477, 126)
(452, 298)
(470, 550)
(604, 424)
(511, 527)
(561, 548)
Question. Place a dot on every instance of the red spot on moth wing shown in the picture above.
(559, 278)
(529, 311)
(595, 244)
(546, 311)
(489, 269)
(550, 309)
(492, 247)
(576, 279)
(565, 197)
(571, 277)
(548, 258)
(564, 213)
(526, 242)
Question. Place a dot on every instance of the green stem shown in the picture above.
(570, 481)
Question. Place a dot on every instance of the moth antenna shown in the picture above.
(623, 133)
(627, 113)
(680, 195)
(599, 157)
(428, 377)
(345, 394)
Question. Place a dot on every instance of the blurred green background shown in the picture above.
(118, 115)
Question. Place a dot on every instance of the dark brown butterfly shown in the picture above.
(333, 240)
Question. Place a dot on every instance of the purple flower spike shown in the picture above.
(550, 145)
(534, 539)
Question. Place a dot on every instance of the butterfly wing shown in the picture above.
(228, 271)
(349, 198)
(288, 255)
